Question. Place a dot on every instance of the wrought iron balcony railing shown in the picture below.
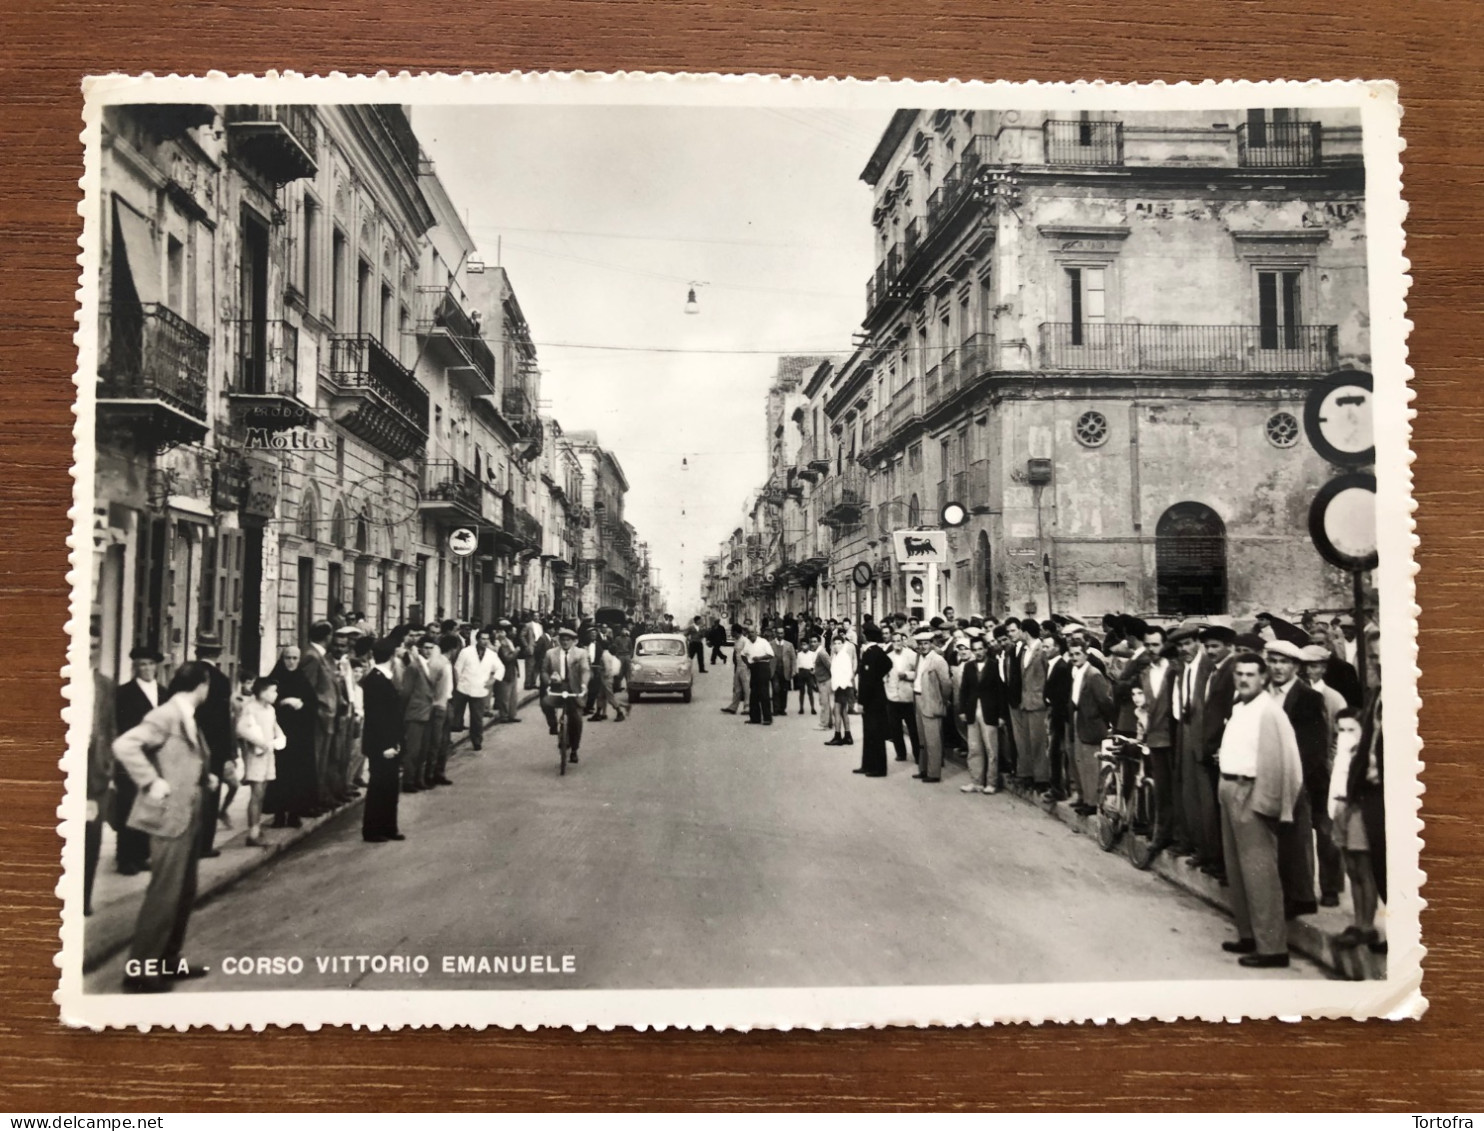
(976, 358)
(448, 486)
(1280, 144)
(441, 314)
(278, 140)
(1107, 347)
(148, 355)
(380, 399)
(905, 406)
(977, 487)
(1084, 143)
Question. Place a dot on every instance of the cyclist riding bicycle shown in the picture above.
(565, 673)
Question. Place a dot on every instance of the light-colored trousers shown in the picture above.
(930, 737)
(1085, 761)
(1031, 758)
(984, 748)
(1251, 844)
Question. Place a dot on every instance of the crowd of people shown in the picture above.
(1264, 747)
(348, 714)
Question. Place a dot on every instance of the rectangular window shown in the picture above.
(175, 276)
(914, 458)
(1087, 295)
(364, 309)
(338, 310)
(307, 252)
(1278, 312)
(385, 328)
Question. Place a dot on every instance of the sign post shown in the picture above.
(1342, 518)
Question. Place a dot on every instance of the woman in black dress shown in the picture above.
(874, 669)
(292, 793)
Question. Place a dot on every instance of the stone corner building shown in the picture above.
(1096, 332)
(307, 380)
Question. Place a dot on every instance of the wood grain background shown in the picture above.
(1433, 48)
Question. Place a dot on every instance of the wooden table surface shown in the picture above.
(1432, 47)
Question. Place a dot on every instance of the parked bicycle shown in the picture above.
(1126, 801)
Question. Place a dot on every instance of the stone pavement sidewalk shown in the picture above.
(116, 898)
(1313, 936)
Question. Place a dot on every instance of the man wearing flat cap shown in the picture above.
(1296, 853)
(134, 700)
(565, 668)
(1218, 642)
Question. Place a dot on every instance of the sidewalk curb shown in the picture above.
(111, 927)
(1304, 936)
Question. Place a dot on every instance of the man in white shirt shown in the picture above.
(1261, 779)
(758, 655)
(475, 672)
(842, 685)
(899, 698)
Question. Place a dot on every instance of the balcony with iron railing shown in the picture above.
(152, 374)
(1284, 145)
(1083, 142)
(976, 487)
(279, 141)
(846, 496)
(518, 407)
(375, 396)
(265, 384)
(1107, 347)
(906, 408)
(441, 317)
(942, 381)
(527, 530)
(977, 357)
(451, 492)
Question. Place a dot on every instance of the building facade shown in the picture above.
(1097, 334)
(307, 381)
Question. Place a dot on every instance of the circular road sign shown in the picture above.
(1342, 522)
(463, 541)
(1337, 419)
(862, 575)
(953, 514)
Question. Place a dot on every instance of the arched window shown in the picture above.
(1190, 560)
(308, 516)
(363, 534)
(983, 577)
(337, 524)
(914, 513)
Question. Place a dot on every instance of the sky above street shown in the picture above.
(603, 216)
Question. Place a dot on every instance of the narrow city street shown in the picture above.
(689, 850)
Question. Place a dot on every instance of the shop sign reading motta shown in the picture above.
(921, 547)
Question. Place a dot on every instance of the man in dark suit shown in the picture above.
(1296, 841)
(316, 665)
(1193, 837)
(1058, 707)
(1339, 673)
(381, 742)
(134, 700)
(1219, 643)
(981, 705)
(1090, 709)
(1157, 682)
(565, 668)
(214, 721)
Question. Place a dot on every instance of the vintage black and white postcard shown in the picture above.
(675, 550)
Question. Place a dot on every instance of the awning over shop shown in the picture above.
(139, 251)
